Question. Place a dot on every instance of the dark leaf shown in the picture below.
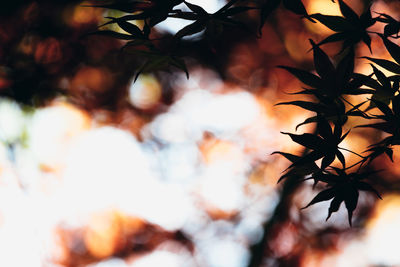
(345, 68)
(396, 105)
(304, 76)
(191, 29)
(322, 196)
(324, 129)
(366, 80)
(307, 121)
(392, 48)
(334, 207)
(367, 40)
(227, 6)
(308, 140)
(367, 187)
(351, 200)
(157, 18)
(381, 78)
(296, 6)
(328, 159)
(140, 16)
(339, 36)
(384, 108)
(130, 28)
(196, 9)
(308, 159)
(341, 158)
(366, 18)
(290, 157)
(344, 136)
(383, 126)
(391, 28)
(386, 64)
(386, 18)
(185, 15)
(348, 13)
(335, 23)
(316, 107)
(322, 63)
(337, 132)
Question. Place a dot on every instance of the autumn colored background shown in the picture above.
(98, 170)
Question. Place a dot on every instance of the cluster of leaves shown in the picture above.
(151, 12)
(328, 88)
(350, 28)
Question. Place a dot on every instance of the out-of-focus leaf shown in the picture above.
(180, 64)
(237, 10)
(137, 42)
(266, 9)
(112, 34)
(126, 6)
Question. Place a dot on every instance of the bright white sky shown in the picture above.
(174, 25)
